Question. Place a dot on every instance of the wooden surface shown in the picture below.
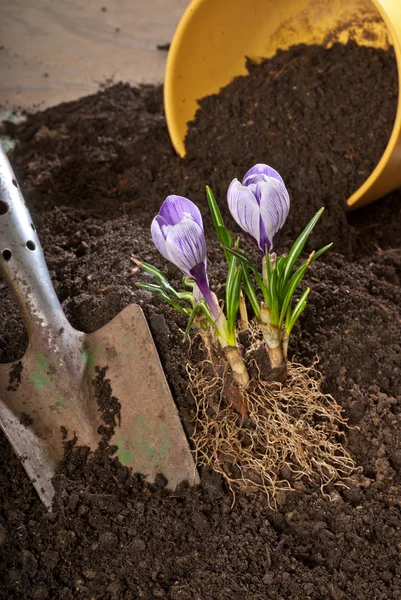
(56, 50)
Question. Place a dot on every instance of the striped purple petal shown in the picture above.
(260, 172)
(175, 208)
(185, 245)
(244, 208)
(274, 204)
(158, 237)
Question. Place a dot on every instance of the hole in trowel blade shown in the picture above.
(3, 207)
(6, 254)
(31, 245)
(15, 182)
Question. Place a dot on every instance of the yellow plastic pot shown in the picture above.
(214, 37)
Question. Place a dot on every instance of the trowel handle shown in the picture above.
(22, 262)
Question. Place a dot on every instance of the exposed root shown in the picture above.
(288, 433)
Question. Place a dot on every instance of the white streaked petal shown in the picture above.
(197, 294)
(274, 204)
(260, 172)
(158, 235)
(186, 245)
(175, 208)
(244, 208)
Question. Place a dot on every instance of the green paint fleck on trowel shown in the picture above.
(91, 355)
(138, 451)
(40, 378)
(44, 379)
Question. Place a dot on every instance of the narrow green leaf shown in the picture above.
(150, 287)
(156, 273)
(280, 267)
(250, 291)
(274, 299)
(299, 244)
(206, 311)
(214, 208)
(233, 305)
(225, 240)
(245, 261)
(159, 291)
(298, 310)
(182, 309)
(160, 277)
(239, 254)
(187, 296)
(280, 264)
(288, 318)
(192, 316)
(222, 232)
(230, 277)
(231, 289)
(322, 251)
(267, 275)
(188, 282)
(290, 290)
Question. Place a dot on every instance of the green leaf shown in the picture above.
(206, 311)
(280, 265)
(290, 289)
(224, 236)
(267, 275)
(160, 277)
(322, 251)
(245, 261)
(233, 290)
(298, 310)
(241, 256)
(156, 273)
(150, 287)
(192, 316)
(274, 299)
(299, 244)
(214, 208)
(230, 277)
(234, 301)
(188, 282)
(222, 232)
(200, 306)
(187, 296)
(250, 291)
(159, 291)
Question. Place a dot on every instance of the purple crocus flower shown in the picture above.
(260, 205)
(177, 232)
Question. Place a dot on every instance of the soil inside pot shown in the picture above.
(94, 172)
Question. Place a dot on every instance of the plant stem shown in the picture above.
(243, 312)
(231, 352)
(275, 339)
(237, 364)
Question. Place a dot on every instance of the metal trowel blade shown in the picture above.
(46, 398)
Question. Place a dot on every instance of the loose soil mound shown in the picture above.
(94, 172)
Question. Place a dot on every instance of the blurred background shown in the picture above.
(57, 50)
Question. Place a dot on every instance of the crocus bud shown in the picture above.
(260, 205)
(177, 232)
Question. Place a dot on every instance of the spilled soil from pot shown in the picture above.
(94, 172)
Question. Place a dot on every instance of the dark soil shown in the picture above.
(94, 172)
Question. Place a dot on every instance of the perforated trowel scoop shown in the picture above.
(47, 397)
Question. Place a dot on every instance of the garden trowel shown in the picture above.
(48, 397)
